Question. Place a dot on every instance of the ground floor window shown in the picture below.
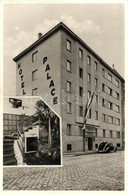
(68, 129)
(69, 146)
(118, 144)
(96, 145)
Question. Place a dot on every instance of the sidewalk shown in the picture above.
(79, 153)
(83, 153)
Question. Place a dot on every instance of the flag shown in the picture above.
(88, 105)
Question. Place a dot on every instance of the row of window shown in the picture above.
(110, 105)
(109, 77)
(109, 91)
(111, 133)
(10, 127)
(81, 111)
(11, 117)
(80, 53)
(69, 132)
(11, 122)
(111, 120)
(104, 72)
(69, 146)
(69, 87)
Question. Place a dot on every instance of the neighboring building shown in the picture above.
(10, 123)
(65, 71)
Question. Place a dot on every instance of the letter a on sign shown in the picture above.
(47, 67)
(51, 84)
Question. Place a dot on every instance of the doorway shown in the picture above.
(90, 143)
(31, 144)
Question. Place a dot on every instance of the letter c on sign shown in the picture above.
(52, 92)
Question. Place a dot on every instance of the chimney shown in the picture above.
(39, 35)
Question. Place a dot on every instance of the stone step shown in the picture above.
(8, 150)
(10, 155)
(11, 137)
(11, 161)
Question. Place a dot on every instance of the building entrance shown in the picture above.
(31, 144)
(90, 143)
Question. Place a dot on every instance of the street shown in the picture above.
(85, 172)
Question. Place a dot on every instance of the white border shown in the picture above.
(125, 2)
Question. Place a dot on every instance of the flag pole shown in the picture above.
(87, 108)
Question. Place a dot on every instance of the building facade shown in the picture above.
(65, 71)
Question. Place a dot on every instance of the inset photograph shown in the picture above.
(31, 132)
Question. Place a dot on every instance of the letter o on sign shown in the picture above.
(20, 71)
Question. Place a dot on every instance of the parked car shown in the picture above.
(106, 147)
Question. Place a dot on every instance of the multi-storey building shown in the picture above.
(65, 71)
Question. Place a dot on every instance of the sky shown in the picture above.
(101, 26)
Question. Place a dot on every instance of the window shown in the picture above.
(109, 77)
(116, 121)
(103, 72)
(81, 73)
(109, 91)
(69, 107)
(96, 66)
(118, 145)
(88, 60)
(80, 53)
(69, 146)
(110, 119)
(103, 117)
(68, 66)
(80, 131)
(116, 108)
(34, 75)
(68, 45)
(89, 94)
(103, 132)
(110, 134)
(80, 91)
(68, 129)
(34, 57)
(115, 95)
(89, 78)
(96, 82)
(109, 105)
(81, 111)
(118, 134)
(106, 89)
(34, 92)
(96, 115)
(116, 83)
(68, 86)
(96, 145)
(89, 113)
(96, 132)
(103, 87)
(96, 98)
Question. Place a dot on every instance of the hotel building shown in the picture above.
(63, 70)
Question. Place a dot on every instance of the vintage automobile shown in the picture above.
(106, 147)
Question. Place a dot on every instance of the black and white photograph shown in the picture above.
(64, 96)
(31, 133)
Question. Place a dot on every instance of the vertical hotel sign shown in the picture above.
(51, 82)
(22, 83)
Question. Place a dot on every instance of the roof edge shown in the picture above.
(59, 26)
